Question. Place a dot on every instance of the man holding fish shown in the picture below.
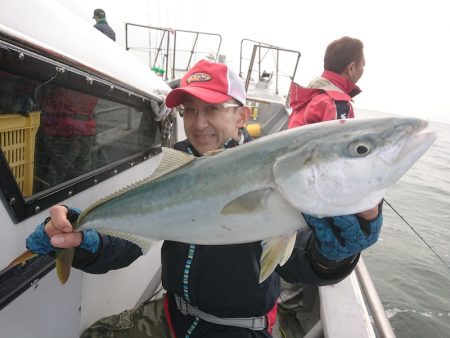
(219, 290)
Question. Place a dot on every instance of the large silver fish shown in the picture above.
(258, 190)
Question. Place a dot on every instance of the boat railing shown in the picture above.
(358, 299)
(268, 67)
(381, 322)
(168, 50)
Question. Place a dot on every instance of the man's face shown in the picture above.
(358, 70)
(208, 126)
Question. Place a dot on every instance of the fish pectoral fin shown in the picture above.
(64, 259)
(248, 203)
(276, 251)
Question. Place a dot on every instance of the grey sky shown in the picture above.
(406, 42)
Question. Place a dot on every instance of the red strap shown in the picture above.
(167, 313)
(271, 318)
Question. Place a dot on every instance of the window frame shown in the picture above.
(42, 66)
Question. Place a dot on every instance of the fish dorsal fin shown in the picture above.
(213, 152)
(248, 203)
(276, 251)
(171, 160)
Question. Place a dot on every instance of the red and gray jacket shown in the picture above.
(326, 98)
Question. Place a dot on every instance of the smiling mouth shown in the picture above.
(204, 137)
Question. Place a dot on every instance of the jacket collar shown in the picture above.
(342, 83)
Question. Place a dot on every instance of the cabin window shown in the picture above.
(80, 133)
(52, 136)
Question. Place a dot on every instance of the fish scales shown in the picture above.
(259, 190)
(187, 203)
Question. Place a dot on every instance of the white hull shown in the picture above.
(49, 309)
(44, 307)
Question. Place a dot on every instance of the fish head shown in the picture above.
(345, 166)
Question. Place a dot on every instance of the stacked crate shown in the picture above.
(17, 141)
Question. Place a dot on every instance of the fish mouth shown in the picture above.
(417, 144)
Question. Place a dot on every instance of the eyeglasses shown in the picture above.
(188, 110)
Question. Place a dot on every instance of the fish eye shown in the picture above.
(360, 148)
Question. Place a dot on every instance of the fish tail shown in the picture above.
(22, 258)
(64, 259)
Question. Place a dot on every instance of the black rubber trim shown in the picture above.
(16, 280)
(38, 65)
(20, 209)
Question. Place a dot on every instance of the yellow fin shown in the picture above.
(276, 251)
(289, 247)
(172, 159)
(22, 258)
(143, 242)
(64, 258)
(213, 152)
(248, 203)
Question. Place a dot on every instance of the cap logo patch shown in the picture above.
(198, 77)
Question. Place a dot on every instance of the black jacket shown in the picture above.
(106, 29)
(219, 279)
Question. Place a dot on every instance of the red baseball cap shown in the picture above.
(210, 82)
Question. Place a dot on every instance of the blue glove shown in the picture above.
(38, 241)
(341, 237)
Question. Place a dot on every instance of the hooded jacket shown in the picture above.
(326, 98)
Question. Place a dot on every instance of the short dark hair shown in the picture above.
(99, 13)
(340, 53)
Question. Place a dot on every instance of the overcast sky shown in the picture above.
(406, 42)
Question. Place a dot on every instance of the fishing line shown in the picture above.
(423, 240)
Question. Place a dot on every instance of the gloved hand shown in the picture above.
(39, 242)
(341, 237)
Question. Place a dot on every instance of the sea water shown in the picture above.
(413, 284)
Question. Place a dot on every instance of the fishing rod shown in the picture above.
(423, 240)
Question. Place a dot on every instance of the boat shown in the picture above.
(116, 113)
(83, 72)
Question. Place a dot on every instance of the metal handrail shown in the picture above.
(171, 46)
(258, 46)
(376, 308)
